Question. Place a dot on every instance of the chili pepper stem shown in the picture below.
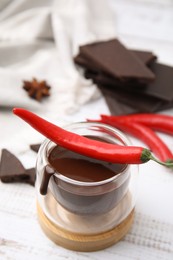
(168, 163)
(147, 155)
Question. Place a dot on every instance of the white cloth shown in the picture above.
(39, 39)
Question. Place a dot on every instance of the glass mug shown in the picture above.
(88, 207)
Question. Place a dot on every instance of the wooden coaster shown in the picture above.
(82, 242)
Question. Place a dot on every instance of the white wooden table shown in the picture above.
(144, 25)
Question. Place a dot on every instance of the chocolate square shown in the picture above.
(162, 86)
(146, 57)
(118, 108)
(140, 103)
(11, 169)
(114, 59)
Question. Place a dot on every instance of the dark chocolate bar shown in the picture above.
(146, 57)
(130, 94)
(160, 88)
(113, 58)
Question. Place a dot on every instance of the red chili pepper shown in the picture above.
(159, 122)
(144, 133)
(85, 146)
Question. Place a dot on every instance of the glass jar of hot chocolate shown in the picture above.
(85, 204)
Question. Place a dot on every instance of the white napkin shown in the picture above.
(39, 39)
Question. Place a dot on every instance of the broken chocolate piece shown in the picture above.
(137, 101)
(146, 57)
(118, 108)
(11, 169)
(162, 86)
(103, 79)
(31, 176)
(35, 147)
(36, 89)
(113, 58)
(130, 94)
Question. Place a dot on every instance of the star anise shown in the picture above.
(37, 89)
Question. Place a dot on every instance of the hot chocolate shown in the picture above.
(91, 199)
(81, 168)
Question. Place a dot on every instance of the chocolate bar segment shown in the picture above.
(130, 94)
(138, 102)
(146, 57)
(11, 169)
(118, 108)
(113, 58)
(103, 79)
(162, 86)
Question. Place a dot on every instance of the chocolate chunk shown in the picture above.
(130, 94)
(137, 101)
(118, 108)
(103, 79)
(31, 173)
(146, 57)
(113, 58)
(119, 104)
(11, 169)
(35, 147)
(162, 86)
